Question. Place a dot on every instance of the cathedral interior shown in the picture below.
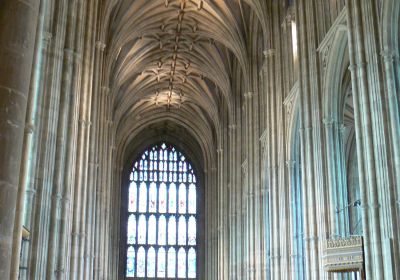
(200, 139)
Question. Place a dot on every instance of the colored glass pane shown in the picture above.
(181, 263)
(162, 228)
(182, 231)
(192, 231)
(131, 229)
(172, 198)
(171, 262)
(142, 197)
(132, 197)
(172, 231)
(142, 230)
(192, 199)
(161, 263)
(153, 198)
(152, 231)
(130, 262)
(182, 199)
(162, 198)
(151, 262)
(192, 263)
(141, 262)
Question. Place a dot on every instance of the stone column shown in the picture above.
(18, 20)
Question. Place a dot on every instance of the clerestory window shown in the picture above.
(162, 216)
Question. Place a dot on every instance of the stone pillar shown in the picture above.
(18, 21)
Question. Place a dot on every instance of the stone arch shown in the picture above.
(184, 140)
(297, 206)
(340, 147)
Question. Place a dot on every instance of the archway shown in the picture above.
(160, 215)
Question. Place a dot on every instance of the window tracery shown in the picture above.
(161, 219)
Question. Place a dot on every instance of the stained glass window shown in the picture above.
(132, 229)
(162, 214)
(151, 263)
(130, 264)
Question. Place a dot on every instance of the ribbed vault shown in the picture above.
(176, 59)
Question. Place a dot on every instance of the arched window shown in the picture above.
(162, 215)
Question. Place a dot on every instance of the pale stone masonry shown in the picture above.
(289, 109)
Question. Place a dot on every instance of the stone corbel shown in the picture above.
(388, 55)
(100, 45)
(269, 53)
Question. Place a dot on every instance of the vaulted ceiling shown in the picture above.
(175, 59)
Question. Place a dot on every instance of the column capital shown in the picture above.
(389, 55)
(328, 122)
(47, 36)
(29, 128)
(105, 90)
(269, 53)
(248, 95)
(100, 45)
(290, 164)
(232, 127)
